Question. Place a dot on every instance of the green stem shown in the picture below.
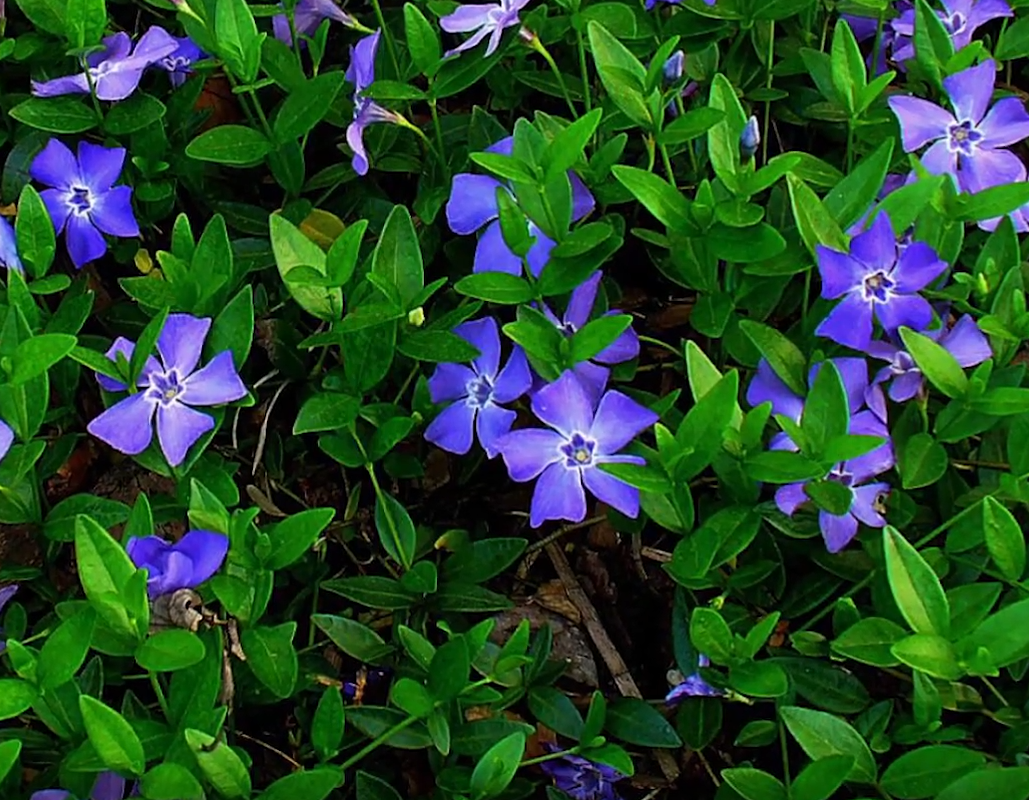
(159, 691)
(92, 95)
(390, 44)
(538, 46)
(768, 85)
(548, 757)
(260, 114)
(380, 497)
(583, 69)
(668, 164)
(378, 742)
(994, 691)
(439, 137)
(404, 122)
(659, 343)
(784, 750)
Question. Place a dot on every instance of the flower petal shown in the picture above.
(837, 531)
(55, 165)
(491, 423)
(85, 243)
(492, 253)
(206, 550)
(539, 253)
(6, 438)
(565, 406)
(484, 335)
(451, 430)
(527, 452)
(917, 267)
(618, 421)
(117, 84)
(849, 323)
(580, 304)
(147, 552)
(355, 140)
(920, 121)
(100, 166)
(112, 212)
(1006, 123)
(989, 168)
(911, 310)
(215, 384)
(173, 573)
(181, 342)
(617, 494)
(467, 17)
(876, 248)
(593, 378)
(470, 43)
(558, 495)
(67, 84)
(966, 342)
(582, 199)
(625, 348)
(939, 160)
(450, 382)
(839, 272)
(56, 202)
(970, 90)
(178, 428)
(108, 786)
(472, 203)
(789, 497)
(361, 71)
(865, 501)
(906, 386)
(514, 380)
(766, 386)
(126, 426)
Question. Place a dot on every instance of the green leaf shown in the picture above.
(930, 654)
(370, 787)
(295, 535)
(820, 779)
(230, 145)
(35, 356)
(783, 356)
(826, 413)
(1011, 783)
(170, 781)
(595, 336)
(272, 657)
(927, 771)
(35, 232)
(237, 40)
(754, 784)
(567, 147)
(922, 461)
(220, 764)
(396, 530)
(16, 697)
(660, 198)
(850, 199)
(306, 106)
(555, 710)
(327, 724)
(621, 73)
(497, 767)
(353, 638)
(309, 784)
(915, 587)
(691, 125)
(848, 67)
(170, 650)
(292, 250)
(482, 560)
(326, 411)
(113, 738)
(711, 635)
(830, 496)
(1004, 539)
(637, 722)
(9, 751)
(821, 735)
(422, 44)
(133, 114)
(936, 363)
(1004, 635)
(496, 287)
(436, 347)
(233, 328)
(815, 223)
(67, 115)
(65, 650)
(448, 670)
(374, 591)
(826, 685)
(398, 257)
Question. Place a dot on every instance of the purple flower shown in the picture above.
(179, 63)
(890, 41)
(693, 686)
(473, 204)
(170, 387)
(964, 341)
(361, 73)
(6, 439)
(114, 72)
(961, 18)
(967, 144)
(7, 592)
(486, 19)
(750, 138)
(766, 386)
(108, 786)
(568, 456)
(876, 279)
(183, 565)
(673, 67)
(9, 247)
(580, 778)
(83, 196)
(475, 392)
(626, 347)
(307, 16)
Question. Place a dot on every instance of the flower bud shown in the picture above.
(750, 138)
(673, 66)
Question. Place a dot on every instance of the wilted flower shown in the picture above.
(750, 138)
(876, 279)
(7, 592)
(473, 204)
(693, 686)
(9, 247)
(179, 64)
(114, 72)
(6, 439)
(84, 198)
(569, 456)
(170, 387)
(108, 786)
(580, 778)
(475, 392)
(964, 341)
(361, 73)
(961, 18)
(307, 16)
(626, 347)
(183, 565)
(486, 19)
(966, 144)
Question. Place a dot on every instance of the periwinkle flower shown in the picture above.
(169, 390)
(476, 393)
(750, 138)
(115, 71)
(964, 341)
(6, 593)
(183, 565)
(307, 16)
(486, 19)
(179, 63)
(961, 18)
(967, 144)
(361, 73)
(108, 786)
(9, 258)
(568, 457)
(591, 374)
(580, 778)
(83, 197)
(876, 279)
(6, 439)
(693, 685)
(473, 205)
(766, 386)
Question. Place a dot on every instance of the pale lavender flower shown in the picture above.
(307, 16)
(6, 593)
(961, 18)
(183, 565)
(170, 388)
(473, 205)
(964, 341)
(6, 439)
(580, 778)
(115, 71)
(968, 143)
(568, 457)
(83, 197)
(693, 685)
(9, 247)
(486, 19)
(875, 279)
(108, 786)
(361, 73)
(476, 393)
(179, 64)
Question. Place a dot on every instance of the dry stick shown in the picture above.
(612, 658)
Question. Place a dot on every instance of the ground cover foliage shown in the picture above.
(579, 399)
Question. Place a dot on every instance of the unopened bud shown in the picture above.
(750, 138)
(673, 66)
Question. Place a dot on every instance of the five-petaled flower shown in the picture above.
(361, 73)
(486, 19)
(6, 593)
(570, 455)
(473, 205)
(9, 258)
(968, 143)
(693, 685)
(83, 197)
(169, 390)
(108, 786)
(179, 63)
(475, 393)
(307, 16)
(876, 279)
(580, 778)
(961, 19)
(626, 347)
(115, 71)
(964, 341)
(183, 565)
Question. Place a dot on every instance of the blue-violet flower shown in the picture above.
(183, 565)
(361, 73)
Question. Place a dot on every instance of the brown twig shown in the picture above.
(612, 658)
(270, 748)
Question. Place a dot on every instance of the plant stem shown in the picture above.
(390, 44)
(162, 701)
(668, 164)
(587, 100)
(537, 45)
(439, 137)
(403, 556)
(378, 741)
(768, 85)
